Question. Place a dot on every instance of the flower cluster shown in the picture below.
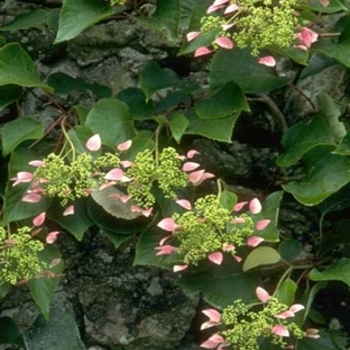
(208, 230)
(55, 177)
(245, 23)
(244, 326)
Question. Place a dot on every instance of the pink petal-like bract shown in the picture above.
(213, 8)
(192, 35)
(124, 146)
(324, 3)
(238, 221)
(94, 143)
(237, 258)
(216, 258)
(52, 237)
(213, 314)
(165, 250)
(201, 51)
(209, 324)
(115, 174)
(164, 239)
(207, 176)
(196, 176)
(220, 2)
(167, 224)
(306, 36)
(107, 185)
(280, 330)
(126, 163)
(213, 342)
(31, 198)
(268, 61)
(262, 294)
(24, 176)
(69, 211)
(285, 314)
(224, 42)
(55, 262)
(178, 268)
(227, 247)
(147, 212)
(312, 333)
(231, 8)
(255, 206)
(254, 241)
(227, 26)
(191, 153)
(37, 163)
(135, 209)
(239, 206)
(39, 220)
(296, 308)
(189, 166)
(125, 198)
(184, 203)
(262, 224)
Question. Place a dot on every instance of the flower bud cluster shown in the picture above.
(244, 326)
(19, 256)
(208, 230)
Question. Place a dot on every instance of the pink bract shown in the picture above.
(192, 35)
(191, 153)
(124, 146)
(239, 206)
(94, 143)
(254, 241)
(255, 206)
(262, 224)
(31, 198)
(39, 219)
(280, 330)
(184, 203)
(189, 166)
(69, 211)
(178, 268)
(262, 294)
(224, 42)
(201, 51)
(216, 258)
(167, 224)
(268, 61)
(52, 237)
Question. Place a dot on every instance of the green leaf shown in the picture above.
(338, 271)
(324, 343)
(77, 15)
(229, 99)
(174, 99)
(331, 113)
(9, 94)
(4, 289)
(297, 55)
(178, 124)
(337, 201)
(116, 239)
(333, 6)
(338, 236)
(9, 332)
(290, 249)
(146, 254)
(334, 50)
(301, 138)
(15, 209)
(154, 78)
(110, 223)
(42, 289)
(222, 285)
(241, 67)
(60, 332)
(143, 141)
(316, 64)
(228, 199)
(82, 113)
(215, 129)
(110, 118)
(286, 292)
(188, 7)
(139, 108)
(76, 224)
(19, 130)
(311, 296)
(113, 206)
(63, 84)
(327, 173)
(165, 19)
(270, 211)
(31, 19)
(202, 40)
(344, 146)
(261, 256)
(16, 67)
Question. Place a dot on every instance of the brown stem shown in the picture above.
(303, 95)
